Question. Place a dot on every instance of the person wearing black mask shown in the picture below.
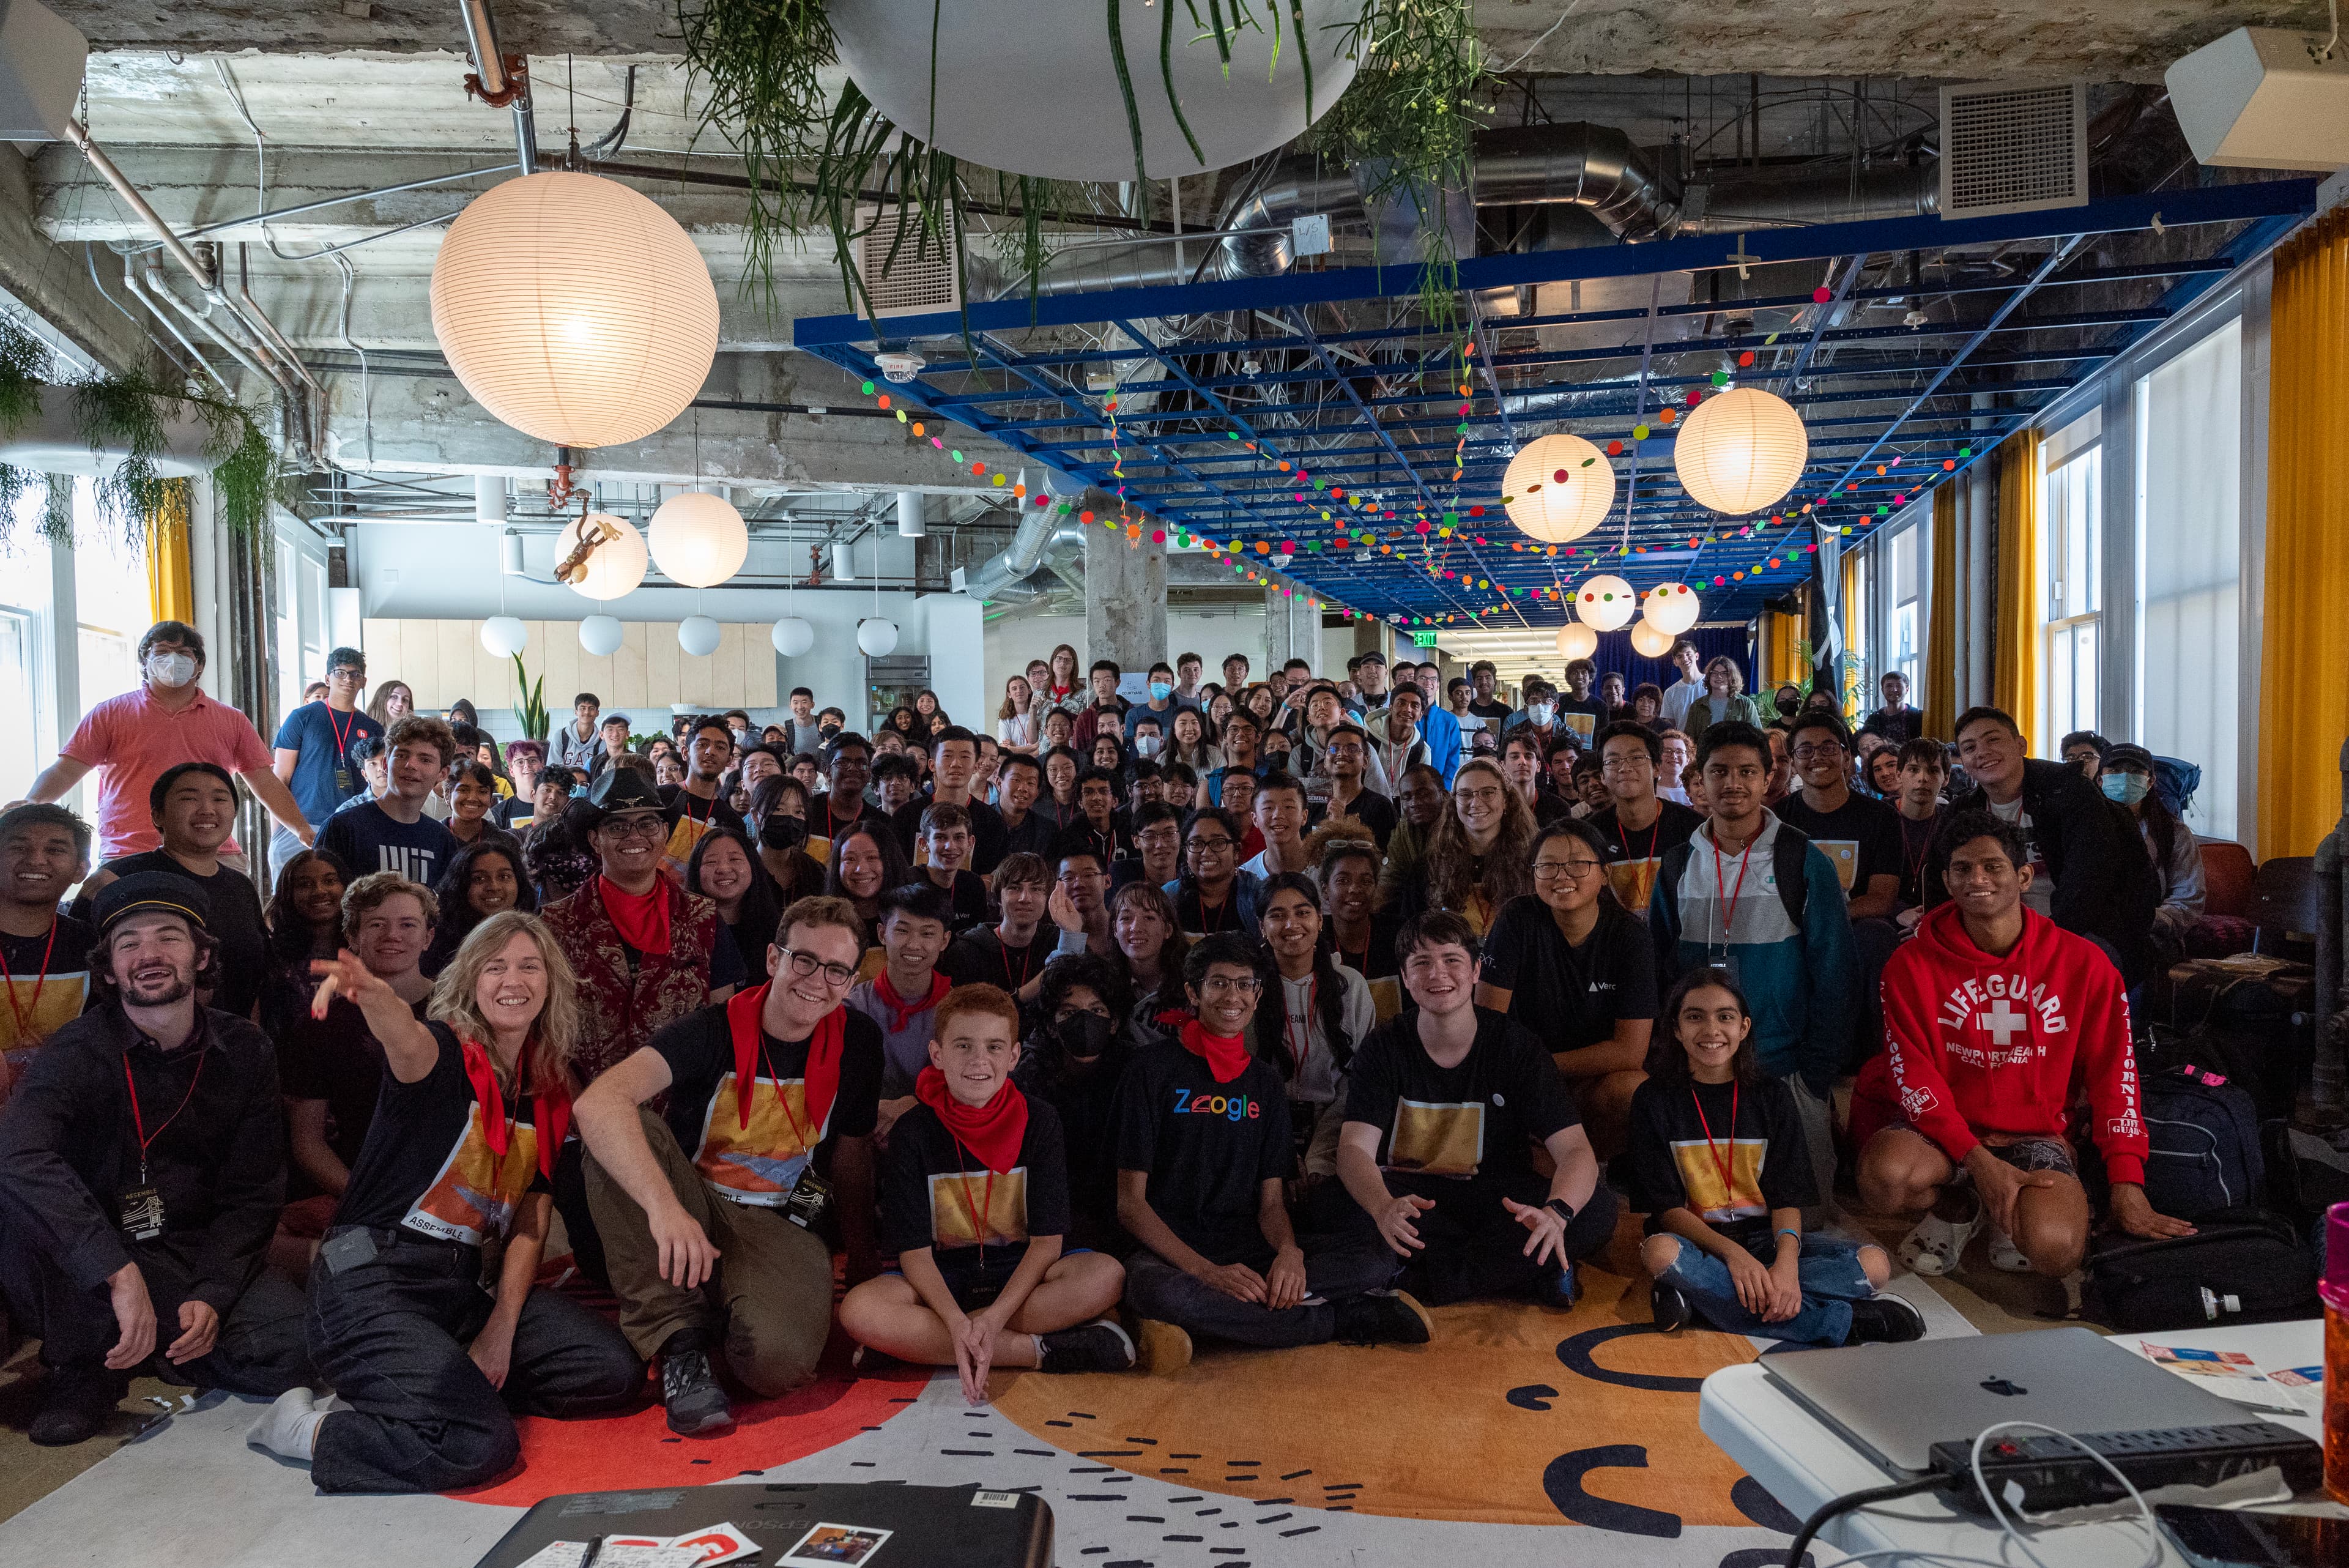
(1073, 1061)
(1788, 701)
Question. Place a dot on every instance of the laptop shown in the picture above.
(1894, 1402)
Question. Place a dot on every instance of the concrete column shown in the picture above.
(1292, 631)
(1125, 601)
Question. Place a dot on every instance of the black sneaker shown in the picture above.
(1096, 1346)
(1383, 1317)
(76, 1404)
(690, 1389)
(1884, 1319)
(1560, 1287)
(1671, 1309)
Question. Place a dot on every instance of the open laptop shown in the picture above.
(1894, 1402)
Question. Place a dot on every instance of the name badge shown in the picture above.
(810, 1195)
(140, 1213)
(342, 780)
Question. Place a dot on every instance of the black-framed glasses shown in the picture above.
(1551, 870)
(835, 975)
(636, 826)
(1825, 751)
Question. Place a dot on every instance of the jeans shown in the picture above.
(1831, 1279)
(1334, 1271)
(391, 1335)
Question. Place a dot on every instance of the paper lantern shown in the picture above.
(602, 634)
(615, 567)
(699, 539)
(1672, 608)
(1651, 642)
(1607, 603)
(1576, 641)
(792, 637)
(1740, 451)
(575, 309)
(1558, 488)
(876, 637)
(697, 635)
(504, 635)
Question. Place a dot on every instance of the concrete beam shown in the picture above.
(54, 281)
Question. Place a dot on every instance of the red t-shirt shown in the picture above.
(132, 739)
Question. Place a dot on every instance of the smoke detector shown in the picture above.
(900, 367)
(1915, 318)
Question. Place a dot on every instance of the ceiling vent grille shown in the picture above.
(921, 278)
(2013, 147)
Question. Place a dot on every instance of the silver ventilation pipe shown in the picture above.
(1043, 535)
(499, 86)
(1767, 201)
(1596, 167)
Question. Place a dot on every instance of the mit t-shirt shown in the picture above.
(760, 1163)
(1634, 854)
(1571, 996)
(1861, 838)
(235, 922)
(1208, 1148)
(427, 1165)
(323, 774)
(1678, 1157)
(368, 839)
(337, 1059)
(47, 981)
(935, 1193)
(1481, 1118)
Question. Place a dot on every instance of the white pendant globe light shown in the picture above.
(1576, 641)
(504, 635)
(1741, 450)
(792, 637)
(1558, 488)
(615, 566)
(1651, 642)
(575, 309)
(1672, 608)
(697, 635)
(1606, 602)
(602, 634)
(876, 637)
(699, 539)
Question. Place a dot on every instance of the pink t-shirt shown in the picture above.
(131, 740)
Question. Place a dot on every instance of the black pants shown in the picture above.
(1475, 1246)
(578, 1220)
(391, 1335)
(259, 1349)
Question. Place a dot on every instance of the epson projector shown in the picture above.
(2257, 98)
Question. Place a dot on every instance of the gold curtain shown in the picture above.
(1851, 672)
(2014, 635)
(2304, 678)
(1782, 652)
(1940, 693)
(170, 574)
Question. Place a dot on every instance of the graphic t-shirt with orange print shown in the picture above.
(792, 1114)
(430, 1164)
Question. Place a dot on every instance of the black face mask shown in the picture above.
(781, 832)
(1083, 1035)
(826, 732)
(1790, 705)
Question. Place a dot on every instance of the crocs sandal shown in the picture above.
(1935, 1244)
(2004, 1255)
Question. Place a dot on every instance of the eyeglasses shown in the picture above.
(1211, 845)
(1488, 795)
(1625, 764)
(1551, 870)
(835, 975)
(636, 826)
(1825, 752)
(1225, 985)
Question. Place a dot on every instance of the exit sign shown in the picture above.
(1422, 639)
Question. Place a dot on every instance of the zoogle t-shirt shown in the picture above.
(1207, 1148)
(47, 981)
(1861, 838)
(1729, 1153)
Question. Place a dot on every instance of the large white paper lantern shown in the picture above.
(1649, 642)
(1558, 488)
(697, 635)
(1741, 450)
(876, 637)
(1671, 607)
(699, 539)
(602, 634)
(1576, 641)
(1607, 603)
(792, 637)
(575, 309)
(504, 635)
(615, 566)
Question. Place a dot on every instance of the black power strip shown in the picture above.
(2052, 1472)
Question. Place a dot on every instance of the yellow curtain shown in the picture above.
(1782, 654)
(2014, 636)
(1941, 703)
(2304, 678)
(1854, 638)
(171, 575)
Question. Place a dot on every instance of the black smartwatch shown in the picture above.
(1562, 1209)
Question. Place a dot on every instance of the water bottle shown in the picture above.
(2335, 1289)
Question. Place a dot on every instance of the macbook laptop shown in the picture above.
(1894, 1402)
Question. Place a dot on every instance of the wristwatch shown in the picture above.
(1562, 1209)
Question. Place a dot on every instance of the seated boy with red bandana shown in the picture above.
(974, 1205)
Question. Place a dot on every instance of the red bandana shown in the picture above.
(992, 1131)
(550, 1114)
(1227, 1055)
(822, 1079)
(641, 919)
(901, 1011)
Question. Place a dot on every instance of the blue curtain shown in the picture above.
(1615, 654)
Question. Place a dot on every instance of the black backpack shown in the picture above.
(2204, 1155)
(2240, 1266)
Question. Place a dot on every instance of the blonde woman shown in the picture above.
(428, 1365)
(1723, 699)
(1015, 721)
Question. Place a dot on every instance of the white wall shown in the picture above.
(1211, 633)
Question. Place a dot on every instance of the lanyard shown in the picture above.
(1300, 1040)
(1027, 957)
(1917, 861)
(685, 798)
(342, 734)
(1223, 911)
(24, 1036)
(1648, 861)
(139, 1123)
(1728, 914)
(985, 1204)
(830, 822)
(807, 1145)
(1722, 1161)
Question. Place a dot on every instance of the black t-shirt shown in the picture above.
(678, 805)
(427, 1165)
(981, 957)
(1672, 1166)
(986, 832)
(1375, 962)
(1109, 843)
(48, 985)
(1634, 854)
(337, 1059)
(1208, 1148)
(1861, 836)
(1571, 996)
(1493, 713)
(235, 922)
(933, 1191)
(1372, 810)
(1036, 835)
(1590, 706)
(1479, 1119)
(368, 839)
(760, 1164)
(969, 894)
(1916, 845)
(514, 815)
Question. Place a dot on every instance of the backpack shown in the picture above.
(1789, 863)
(2204, 1136)
(2240, 1266)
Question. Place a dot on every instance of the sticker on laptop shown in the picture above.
(995, 1500)
(719, 1543)
(835, 1546)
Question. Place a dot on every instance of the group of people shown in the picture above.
(1305, 1016)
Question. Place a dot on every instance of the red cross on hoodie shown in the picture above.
(1977, 1045)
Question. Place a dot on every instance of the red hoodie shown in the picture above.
(1977, 1045)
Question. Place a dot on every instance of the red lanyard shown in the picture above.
(1917, 862)
(342, 735)
(685, 798)
(985, 1204)
(1223, 915)
(1723, 1162)
(1728, 915)
(1300, 1040)
(1027, 957)
(24, 1036)
(1648, 862)
(139, 1123)
(830, 822)
(776, 1078)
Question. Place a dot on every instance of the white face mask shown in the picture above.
(171, 669)
(1148, 746)
(1538, 714)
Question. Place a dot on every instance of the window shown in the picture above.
(301, 621)
(2072, 607)
(1904, 640)
(110, 604)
